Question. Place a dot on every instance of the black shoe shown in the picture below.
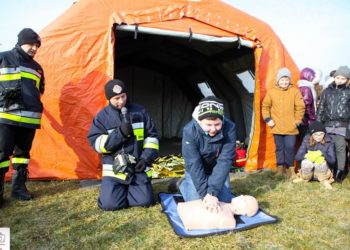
(19, 189)
(174, 185)
(339, 176)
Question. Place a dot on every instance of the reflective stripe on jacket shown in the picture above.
(22, 78)
(106, 138)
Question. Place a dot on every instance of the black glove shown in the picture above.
(130, 170)
(140, 166)
(126, 129)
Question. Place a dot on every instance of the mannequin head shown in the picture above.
(244, 205)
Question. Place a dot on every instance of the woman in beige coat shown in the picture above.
(283, 110)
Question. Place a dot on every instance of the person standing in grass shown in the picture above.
(334, 112)
(283, 110)
(125, 135)
(208, 148)
(21, 86)
(316, 153)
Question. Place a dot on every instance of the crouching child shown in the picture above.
(316, 153)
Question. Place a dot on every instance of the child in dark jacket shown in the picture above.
(316, 153)
(334, 113)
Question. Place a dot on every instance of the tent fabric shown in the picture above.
(169, 207)
(77, 55)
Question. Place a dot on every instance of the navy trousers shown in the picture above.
(284, 149)
(115, 195)
(15, 141)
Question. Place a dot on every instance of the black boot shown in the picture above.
(339, 176)
(19, 189)
(2, 184)
(334, 171)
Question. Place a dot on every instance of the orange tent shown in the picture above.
(182, 42)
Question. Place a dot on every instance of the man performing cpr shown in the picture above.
(208, 148)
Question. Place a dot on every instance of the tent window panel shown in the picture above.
(248, 80)
(205, 89)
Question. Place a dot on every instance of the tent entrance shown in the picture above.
(169, 72)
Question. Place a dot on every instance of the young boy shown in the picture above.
(208, 144)
(283, 110)
(334, 112)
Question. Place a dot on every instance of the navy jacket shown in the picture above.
(21, 73)
(327, 149)
(208, 159)
(106, 138)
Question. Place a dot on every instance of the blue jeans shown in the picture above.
(285, 149)
(189, 192)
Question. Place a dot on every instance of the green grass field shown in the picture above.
(63, 216)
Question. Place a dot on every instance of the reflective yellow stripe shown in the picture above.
(20, 160)
(9, 77)
(5, 164)
(112, 174)
(139, 134)
(239, 160)
(149, 173)
(31, 76)
(151, 145)
(100, 144)
(18, 118)
(151, 142)
(22, 113)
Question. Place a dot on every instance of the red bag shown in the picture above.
(241, 155)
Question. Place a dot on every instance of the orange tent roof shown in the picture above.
(77, 57)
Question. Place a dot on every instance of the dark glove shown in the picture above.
(126, 129)
(130, 170)
(140, 166)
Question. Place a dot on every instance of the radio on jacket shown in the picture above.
(121, 162)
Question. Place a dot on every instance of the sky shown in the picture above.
(314, 32)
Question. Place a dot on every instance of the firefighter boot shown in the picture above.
(19, 189)
(2, 185)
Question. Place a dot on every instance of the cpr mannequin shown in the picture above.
(195, 216)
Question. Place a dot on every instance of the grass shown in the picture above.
(63, 216)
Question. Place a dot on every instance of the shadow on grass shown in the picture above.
(48, 188)
(41, 189)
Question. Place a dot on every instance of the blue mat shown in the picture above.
(169, 205)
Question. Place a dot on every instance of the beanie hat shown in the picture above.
(282, 73)
(307, 74)
(317, 127)
(210, 107)
(114, 87)
(343, 71)
(28, 36)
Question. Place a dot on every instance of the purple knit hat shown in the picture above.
(307, 74)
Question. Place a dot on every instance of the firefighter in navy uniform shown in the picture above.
(126, 137)
(21, 84)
